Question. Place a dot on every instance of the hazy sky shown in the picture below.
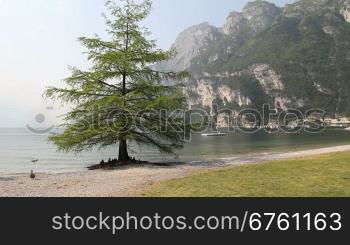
(38, 42)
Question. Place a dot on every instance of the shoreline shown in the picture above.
(128, 181)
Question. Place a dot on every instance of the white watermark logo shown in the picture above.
(187, 122)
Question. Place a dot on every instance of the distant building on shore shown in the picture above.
(337, 123)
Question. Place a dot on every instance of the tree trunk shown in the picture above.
(123, 146)
(123, 151)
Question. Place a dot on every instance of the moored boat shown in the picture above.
(214, 134)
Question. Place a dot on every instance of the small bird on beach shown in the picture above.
(32, 175)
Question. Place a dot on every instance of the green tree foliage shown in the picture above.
(119, 99)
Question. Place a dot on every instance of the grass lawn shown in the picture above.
(318, 176)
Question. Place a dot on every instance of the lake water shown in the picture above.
(19, 146)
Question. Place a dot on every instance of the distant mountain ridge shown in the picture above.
(297, 56)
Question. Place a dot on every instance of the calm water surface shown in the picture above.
(19, 146)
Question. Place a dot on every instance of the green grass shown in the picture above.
(319, 176)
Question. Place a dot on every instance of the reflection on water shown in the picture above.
(18, 147)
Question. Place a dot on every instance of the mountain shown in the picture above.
(297, 56)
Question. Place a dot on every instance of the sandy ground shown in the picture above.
(124, 182)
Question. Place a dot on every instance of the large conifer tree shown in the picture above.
(119, 99)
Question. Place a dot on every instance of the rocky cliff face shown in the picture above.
(206, 94)
(255, 17)
(292, 57)
(188, 45)
(236, 23)
(268, 78)
(261, 15)
(345, 11)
